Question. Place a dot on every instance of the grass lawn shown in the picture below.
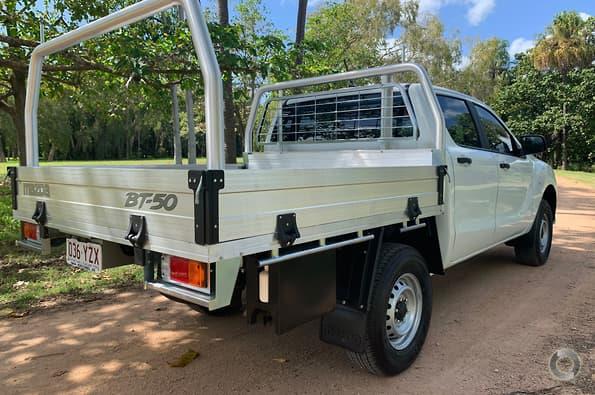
(580, 176)
(29, 281)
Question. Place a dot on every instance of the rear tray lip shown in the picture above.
(187, 295)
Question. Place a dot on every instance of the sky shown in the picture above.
(517, 21)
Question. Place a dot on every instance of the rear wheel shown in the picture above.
(400, 310)
(533, 249)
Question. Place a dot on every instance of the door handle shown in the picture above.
(504, 165)
(464, 159)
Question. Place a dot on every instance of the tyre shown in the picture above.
(533, 249)
(399, 314)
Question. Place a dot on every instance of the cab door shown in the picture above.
(514, 176)
(475, 178)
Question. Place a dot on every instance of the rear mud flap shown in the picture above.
(344, 327)
(299, 290)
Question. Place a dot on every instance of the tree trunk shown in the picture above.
(300, 30)
(19, 87)
(223, 12)
(563, 140)
(564, 157)
(176, 125)
(228, 110)
(52, 153)
(138, 127)
(191, 132)
(558, 151)
(2, 153)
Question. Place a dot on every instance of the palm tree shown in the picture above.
(566, 44)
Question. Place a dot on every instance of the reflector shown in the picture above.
(189, 272)
(197, 274)
(178, 269)
(30, 231)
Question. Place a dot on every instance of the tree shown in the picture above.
(568, 44)
(424, 41)
(22, 31)
(262, 55)
(349, 35)
(488, 62)
(228, 109)
(117, 55)
(531, 101)
(300, 29)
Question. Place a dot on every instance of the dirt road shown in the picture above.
(494, 327)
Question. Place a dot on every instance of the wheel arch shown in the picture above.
(550, 196)
(359, 262)
(424, 240)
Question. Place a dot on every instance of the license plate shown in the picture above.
(83, 255)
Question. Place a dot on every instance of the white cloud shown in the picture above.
(431, 6)
(465, 61)
(519, 45)
(477, 11)
(584, 16)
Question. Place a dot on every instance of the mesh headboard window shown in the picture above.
(352, 115)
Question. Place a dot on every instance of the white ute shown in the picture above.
(347, 201)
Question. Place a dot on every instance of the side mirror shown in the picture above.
(533, 144)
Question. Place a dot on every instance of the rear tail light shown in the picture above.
(189, 272)
(30, 231)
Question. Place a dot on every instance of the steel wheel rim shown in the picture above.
(404, 308)
(544, 234)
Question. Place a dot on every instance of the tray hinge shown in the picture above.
(40, 214)
(413, 211)
(137, 231)
(286, 230)
(206, 185)
(12, 174)
(442, 171)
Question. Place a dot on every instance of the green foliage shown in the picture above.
(487, 64)
(425, 42)
(348, 35)
(9, 227)
(567, 43)
(548, 103)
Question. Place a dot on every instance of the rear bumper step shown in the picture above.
(181, 293)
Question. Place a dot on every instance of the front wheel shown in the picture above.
(533, 249)
(399, 314)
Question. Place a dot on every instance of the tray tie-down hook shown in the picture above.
(137, 231)
(413, 211)
(286, 231)
(40, 214)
